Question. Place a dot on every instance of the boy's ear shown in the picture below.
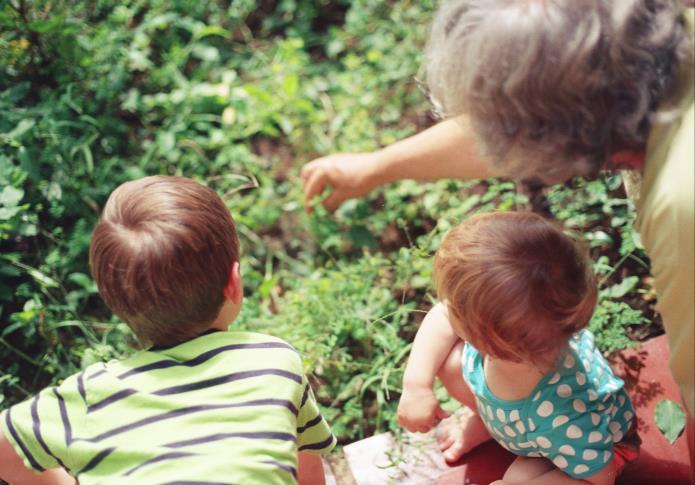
(234, 290)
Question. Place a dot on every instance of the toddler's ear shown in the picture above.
(234, 289)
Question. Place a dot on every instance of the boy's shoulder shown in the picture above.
(213, 348)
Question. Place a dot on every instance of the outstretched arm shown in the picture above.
(446, 150)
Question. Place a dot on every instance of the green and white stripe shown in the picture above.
(226, 407)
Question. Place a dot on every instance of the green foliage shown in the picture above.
(239, 95)
(670, 419)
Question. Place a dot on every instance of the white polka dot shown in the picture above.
(601, 407)
(595, 437)
(606, 397)
(569, 362)
(567, 450)
(599, 371)
(606, 456)
(501, 416)
(545, 409)
(513, 415)
(586, 363)
(628, 415)
(592, 395)
(538, 394)
(544, 454)
(543, 442)
(513, 446)
(560, 461)
(526, 444)
(563, 390)
(614, 410)
(589, 454)
(581, 378)
(531, 425)
(595, 419)
(621, 400)
(608, 439)
(555, 378)
(579, 406)
(560, 420)
(490, 413)
(509, 431)
(617, 437)
(519, 425)
(573, 431)
(534, 454)
(581, 469)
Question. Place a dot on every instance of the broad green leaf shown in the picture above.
(22, 127)
(670, 419)
(42, 279)
(211, 30)
(10, 196)
(622, 288)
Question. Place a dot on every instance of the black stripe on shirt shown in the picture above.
(98, 458)
(110, 400)
(254, 435)
(157, 459)
(189, 410)
(287, 468)
(204, 357)
(32, 461)
(234, 376)
(96, 374)
(37, 431)
(64, 417)
(80, 386)
(305, 395)
(309, 424)
(317, 446)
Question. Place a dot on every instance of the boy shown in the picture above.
(203, 404)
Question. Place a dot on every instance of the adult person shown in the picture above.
(548, 90)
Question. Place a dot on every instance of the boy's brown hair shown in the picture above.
(519, 286)
(161, 255)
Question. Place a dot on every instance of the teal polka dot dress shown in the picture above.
(573, 417)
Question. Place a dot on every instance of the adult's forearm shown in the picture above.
(446, 150)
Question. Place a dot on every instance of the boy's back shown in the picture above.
(226, 407)
(203, 405)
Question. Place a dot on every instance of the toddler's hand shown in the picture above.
(419, 410)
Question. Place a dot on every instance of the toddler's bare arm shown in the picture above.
(419, 408)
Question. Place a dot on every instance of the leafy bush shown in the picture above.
(239, 95)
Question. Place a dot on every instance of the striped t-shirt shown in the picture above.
(226, 407)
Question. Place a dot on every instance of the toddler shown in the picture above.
(509, 340)
(202, 404)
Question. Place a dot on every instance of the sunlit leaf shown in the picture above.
(670, 419)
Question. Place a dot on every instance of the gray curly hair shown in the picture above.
(552, 88)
